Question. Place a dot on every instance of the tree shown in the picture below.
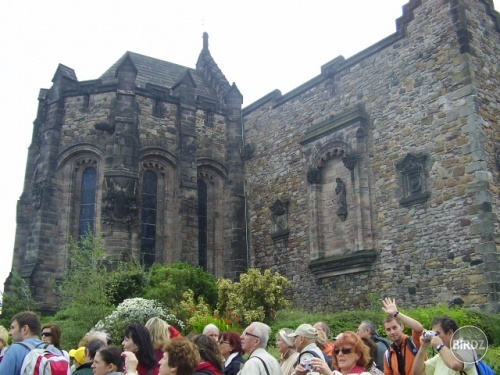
(17, 298)
(83, 290)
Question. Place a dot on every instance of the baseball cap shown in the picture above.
(305, 330)
(78, 354)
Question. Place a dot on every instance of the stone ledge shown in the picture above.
(280, 236)
(360, 261)
(414, 199)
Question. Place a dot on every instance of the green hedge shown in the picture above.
(350, 320)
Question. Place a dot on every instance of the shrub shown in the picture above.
(492, 358)
(197, 315)
(136, 310)
(129, 280)
(167, 284)
(257, 297)
(488, 323)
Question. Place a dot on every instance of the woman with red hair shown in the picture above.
(350, 356)
(230, 348)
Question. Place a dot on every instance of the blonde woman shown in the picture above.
(4, 340)
(288, 353)
(160, 334)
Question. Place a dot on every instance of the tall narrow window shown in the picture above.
(87, 202)
(148, 218)
(202, 224)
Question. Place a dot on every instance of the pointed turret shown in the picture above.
(208, 67)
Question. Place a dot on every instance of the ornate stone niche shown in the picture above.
(279, 211)
(341, 227)
(412, 179)
(120, 201)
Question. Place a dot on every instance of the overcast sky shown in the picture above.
(259, 45)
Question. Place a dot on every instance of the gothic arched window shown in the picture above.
(148, 218)
(87, 202)
(202, 224)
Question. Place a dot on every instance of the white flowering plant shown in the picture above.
(136, 310)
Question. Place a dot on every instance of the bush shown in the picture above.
(136, 310)
(350, 320)
(129, 280)
(197, 315)
(73, 330)
(488, 323)
(167, 284)
(492, 358)
(257, 297)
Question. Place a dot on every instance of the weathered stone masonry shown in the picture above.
(410, 125)
(378, 177)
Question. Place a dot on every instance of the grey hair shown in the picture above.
(263, 331)
(210, 326)
(371, 326)
(324, 327)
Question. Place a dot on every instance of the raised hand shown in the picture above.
(390, 306)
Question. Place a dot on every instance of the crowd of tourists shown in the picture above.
(157, 348)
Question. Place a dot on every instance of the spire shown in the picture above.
(207, 66)
(205, 41)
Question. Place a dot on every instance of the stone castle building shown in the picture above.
(379, 176)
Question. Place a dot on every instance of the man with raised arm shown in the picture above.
(401, 354)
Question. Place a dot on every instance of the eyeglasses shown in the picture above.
(250, 334)
(48, 334)
(223, 342)
(343, 350)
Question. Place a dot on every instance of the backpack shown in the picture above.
(382, 340)
(410, 344)
(44, 359)
(483, 368)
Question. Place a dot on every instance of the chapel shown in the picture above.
(377, 177)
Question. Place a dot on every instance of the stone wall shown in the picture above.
(424, 167)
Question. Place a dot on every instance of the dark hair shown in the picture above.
(372, 345)
(93, 347)
(209, 351)
(234, 340)
(55, 334)
(142, 338)
(183, 355)
(30, 319)
(446, 323)
(112, 355)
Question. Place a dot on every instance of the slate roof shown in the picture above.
(158, 72)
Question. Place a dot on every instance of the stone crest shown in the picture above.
(120, 201)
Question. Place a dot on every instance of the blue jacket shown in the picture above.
(13, 358)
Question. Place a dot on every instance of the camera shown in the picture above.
(430, 334)
(307, 364)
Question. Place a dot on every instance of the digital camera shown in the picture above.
(307, 364)
(430, 334)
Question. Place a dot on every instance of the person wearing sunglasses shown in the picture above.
(350, 356)
(51, 333)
